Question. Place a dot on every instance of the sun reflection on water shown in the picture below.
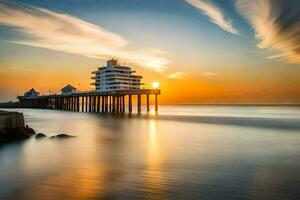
(155, 178)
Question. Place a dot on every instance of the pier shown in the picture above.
(107, 101)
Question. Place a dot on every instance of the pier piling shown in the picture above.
(139, 104)
(156, 103)
(148, 102)
(130, 103)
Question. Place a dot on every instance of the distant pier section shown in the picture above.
(115, 88)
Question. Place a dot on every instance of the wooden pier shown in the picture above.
(104, 102)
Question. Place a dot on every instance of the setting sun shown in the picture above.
(155, 85)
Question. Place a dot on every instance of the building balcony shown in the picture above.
(136, 76)
(95, 72)
(122, 67)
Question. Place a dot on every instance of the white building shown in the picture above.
(115, 77)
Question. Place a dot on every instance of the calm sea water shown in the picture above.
(186, 152)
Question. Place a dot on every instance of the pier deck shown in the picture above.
(93, 101)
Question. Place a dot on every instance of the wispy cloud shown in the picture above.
(176, 75)
(210, 74)
(276, 24)
(62, 32)
(23, 69)
(208, 8)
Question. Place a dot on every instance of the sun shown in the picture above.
(155, 85)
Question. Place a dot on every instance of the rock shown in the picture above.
(15, 134)
(61, 136)
(40, 136)
(29, 130)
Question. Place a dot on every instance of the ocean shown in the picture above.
(183, 152)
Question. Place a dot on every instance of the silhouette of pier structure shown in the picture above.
(104, 102)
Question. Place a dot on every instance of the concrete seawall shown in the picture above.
(11, 120)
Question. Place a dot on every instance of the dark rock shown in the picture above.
(40, 136)
(61, 136)
(15, 134)
(30, 130)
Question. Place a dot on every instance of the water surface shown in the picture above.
(186, 152)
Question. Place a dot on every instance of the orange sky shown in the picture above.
(199, 52)
(188, 89)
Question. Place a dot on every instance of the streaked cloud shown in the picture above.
(276, 24)
(215, 14)
(23, 69)
(210, 74)
(62, 32)
(176, 75)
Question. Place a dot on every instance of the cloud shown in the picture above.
(276, 24)
(23, 69)
(214, 13)
(62, 32)
(175, 75)
(208, 74)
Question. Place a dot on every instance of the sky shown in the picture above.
(200, 51)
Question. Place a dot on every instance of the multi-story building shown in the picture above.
(115, 77)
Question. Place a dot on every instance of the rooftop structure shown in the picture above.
(31, 93)
(114, 77)
(68, 89)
